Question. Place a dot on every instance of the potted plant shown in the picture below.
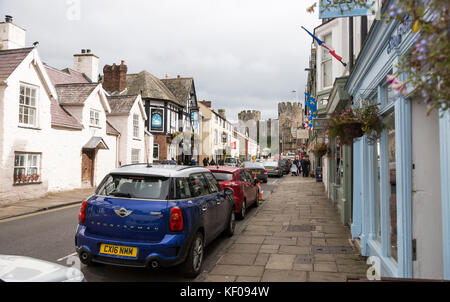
(372, 123)
(346, 125)
(320, 149)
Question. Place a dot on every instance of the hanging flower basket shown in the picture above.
(320, 149)
(352, 129)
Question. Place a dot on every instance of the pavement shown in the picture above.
(295, 236)
(49, 201)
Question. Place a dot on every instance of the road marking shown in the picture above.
(39, 213)
(65, 257)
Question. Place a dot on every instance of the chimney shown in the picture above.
(86, 62)
(221, 112)
(206, 103)
(178, 77)
(11, 35)
(115, 77)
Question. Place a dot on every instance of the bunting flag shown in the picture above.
(311, 102)
(322, 43)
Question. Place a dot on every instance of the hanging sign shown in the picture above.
(346, 8)
(157, 119)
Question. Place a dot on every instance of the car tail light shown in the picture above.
(277, 169)
(82, 213)
(265, 171)
(176, 219)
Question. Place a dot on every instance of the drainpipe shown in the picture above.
(350, 45)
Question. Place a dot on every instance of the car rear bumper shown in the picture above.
(170, 251)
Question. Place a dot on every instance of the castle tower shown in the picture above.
(290, 116)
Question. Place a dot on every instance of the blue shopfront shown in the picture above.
(401, 198)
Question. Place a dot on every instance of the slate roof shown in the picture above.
(75, 93)
(180, 87)
(65, 76)
(111, 130)
(62, 118)
(10, 59)
(121, 104)
(151, 87)
(96, 142)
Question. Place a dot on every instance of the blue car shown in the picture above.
(151, 216)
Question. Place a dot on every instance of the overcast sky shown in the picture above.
(243, 54)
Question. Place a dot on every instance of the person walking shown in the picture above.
(212, 163)
(205, 161)
(305, 166)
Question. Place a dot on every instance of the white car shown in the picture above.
(26, 269)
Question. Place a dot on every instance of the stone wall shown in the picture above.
(290, 116)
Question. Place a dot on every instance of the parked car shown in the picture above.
(232, 162)
(245, 189)
(285, 165)
(27, 269)
(256, 169)
(274, 168)
(151, 216)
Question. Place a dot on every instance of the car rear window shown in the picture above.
(141, 187)
(222, 176)
(271, 164)
(249, 165)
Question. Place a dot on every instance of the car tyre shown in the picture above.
(241, 214)
(257, 199)
(192, 266)
(231, 226)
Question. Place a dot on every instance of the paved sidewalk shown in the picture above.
(49, 201)
(295, 236)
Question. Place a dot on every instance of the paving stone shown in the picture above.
(250, 239)
(326, 277)
(220, 278)
(318, 242)
(280, 262)
(261, 259)
(248, 279)
(244, 248)
(352, 268)
(284, 276)
(283, 241)
(304, 241)
(241, 259)
(289, 249)
(324, 258)
(269, 248)
(308, 267)
(325, 267)
(238, 270)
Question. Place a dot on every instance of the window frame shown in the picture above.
(132, 155)
(34, 108)
(326, 58)
(157, 146)
(36, 178)
(95, 118)
(136, 126)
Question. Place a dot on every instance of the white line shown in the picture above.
(61, 259)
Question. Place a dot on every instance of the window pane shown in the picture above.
(198, 185)
(212, 182)
(327, 73)
(390, 124)
(182, 188)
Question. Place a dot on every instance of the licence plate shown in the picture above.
(256, 172)
(269, 169)
(117, 250)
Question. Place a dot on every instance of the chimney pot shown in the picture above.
(88, 51)
(179, 76)
(83, 51)
(8, 19)
(122, 62)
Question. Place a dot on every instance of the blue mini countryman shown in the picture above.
(150, 216)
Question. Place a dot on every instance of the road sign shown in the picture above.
(320, 123)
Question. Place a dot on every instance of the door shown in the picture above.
(87, 167)
(200, 191)
(252, 188)
(221, 206)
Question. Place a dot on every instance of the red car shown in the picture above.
(245, 188)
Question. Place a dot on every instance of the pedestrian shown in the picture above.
(206, 161)
(299, 167)
(165, 161)
(193, 162)
(212, 163)
(172, 162)
(305, 166)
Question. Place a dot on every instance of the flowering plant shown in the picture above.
(321, 149)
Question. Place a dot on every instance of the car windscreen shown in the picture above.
(141, 187)
(231, 160)
(222, 176)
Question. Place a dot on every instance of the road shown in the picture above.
(50, 236)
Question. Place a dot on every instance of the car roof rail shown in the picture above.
(137, 164)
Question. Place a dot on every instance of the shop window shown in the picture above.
(392, 198)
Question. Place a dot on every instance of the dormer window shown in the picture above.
(28, 105)
(94, 118)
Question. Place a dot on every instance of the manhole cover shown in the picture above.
(301, 228)
(303, 260)
(332, 250)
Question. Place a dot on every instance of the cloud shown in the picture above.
(243, 54)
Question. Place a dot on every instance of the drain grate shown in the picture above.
(303, 260)
(301, 228)
(332, 250)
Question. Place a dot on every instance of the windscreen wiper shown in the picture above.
(119, 194)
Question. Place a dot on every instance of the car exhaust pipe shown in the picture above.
(154, 264)
(84, 256)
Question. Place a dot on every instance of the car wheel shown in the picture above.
(194, 261)
(241, 214)
(257, 201)
(229, 231)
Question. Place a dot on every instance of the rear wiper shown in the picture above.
(119, 194)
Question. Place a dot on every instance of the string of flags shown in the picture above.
(322, 43)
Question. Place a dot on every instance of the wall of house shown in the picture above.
(426, 197)
(18, 139)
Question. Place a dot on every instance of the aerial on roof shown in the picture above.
(66, 76)
(180, 87)
(10, 59)
(148, 86)
(121, 104)
(74, 94)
